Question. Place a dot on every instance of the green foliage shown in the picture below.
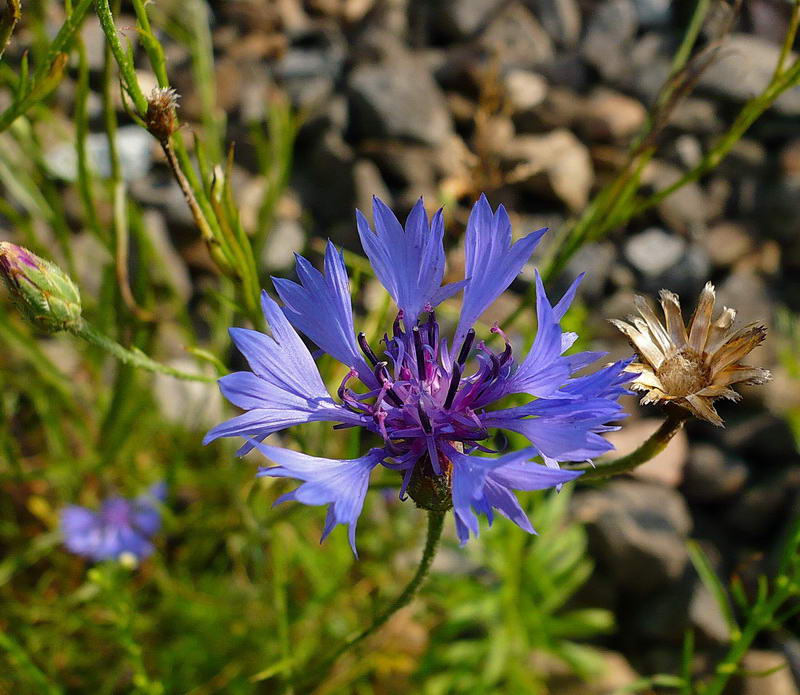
(526, 582)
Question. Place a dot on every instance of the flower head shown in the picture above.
(691, 366)
(120, 529)
(430, 403)
(42, 292)
(160, 118)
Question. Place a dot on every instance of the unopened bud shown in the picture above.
(42, 292)
(160, 118)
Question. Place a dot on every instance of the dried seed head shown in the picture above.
(691, 366)
(42, 292)
(160, 117)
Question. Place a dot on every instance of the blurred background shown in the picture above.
(578, 115)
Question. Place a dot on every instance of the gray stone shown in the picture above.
(760, 507)
(711, 475)
(654, 251)
(516, 40)
(637, 532)
(778, 679)
(696, 115)
(727, 242)
(134, 146)
(560, 18)
(609, 37)
(743, 70)
(311, 65)
(706, 615)
(650, 65)
(746, 292)
(653, 13)
(557, 162)
(684, 210)
(608, 115)
(398, 99)
(594, 259)
(286, 238)
(524, 90)
(459, 19)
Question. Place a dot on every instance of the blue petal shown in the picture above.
(320, 307)
(482, 484)
(337, 482)
(410, 263)
(285, 389)
(262, 422)
(564, 303)
(81, 529)
(492, 262)
(543, 370)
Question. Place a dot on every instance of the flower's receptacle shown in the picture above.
(429, 490)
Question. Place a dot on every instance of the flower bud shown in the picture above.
(42, 292)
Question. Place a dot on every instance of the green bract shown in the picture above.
(44, 294)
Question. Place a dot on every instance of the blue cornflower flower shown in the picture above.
(121, 526)
(427, 400)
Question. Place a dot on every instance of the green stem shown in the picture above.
(435, 526)
(9, 20)
(135, 359)
(124, 62)
(653, 446)
(49, 73)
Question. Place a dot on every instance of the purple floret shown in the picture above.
(430, 402)
(120, 526)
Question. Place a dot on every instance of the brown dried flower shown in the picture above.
(691, 366)
(160, 117)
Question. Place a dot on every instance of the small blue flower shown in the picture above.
(427, 400)
(121, 526)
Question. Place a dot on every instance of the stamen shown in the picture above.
(396, 328)
(507, 352)
(466, 346)
(455, 380)
(424, 419)
(346, 396)
(432, 329)
(420, 353)
(382, 375)
(366, 349)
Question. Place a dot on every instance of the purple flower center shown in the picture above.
(116, 512)
(424, 396)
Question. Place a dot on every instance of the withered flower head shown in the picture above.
(691, 366)
(160, 117)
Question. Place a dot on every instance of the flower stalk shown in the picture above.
(435, 526)
(132, 357)
(650, 448)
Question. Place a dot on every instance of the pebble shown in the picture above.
(524, 90)
(398, 99)
(712, 475)
(744, 68)
(606, 44)
(637, 531)
(610, 115)
(727, 242)
(557, 160)
(654, 251)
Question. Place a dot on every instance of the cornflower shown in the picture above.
(120, 530)
(427, 400)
